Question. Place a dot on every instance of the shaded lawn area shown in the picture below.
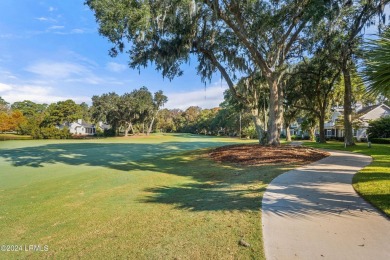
(373, 182)
(137, 198)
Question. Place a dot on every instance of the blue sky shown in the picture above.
(51, 50)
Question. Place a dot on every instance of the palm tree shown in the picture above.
(377, 59)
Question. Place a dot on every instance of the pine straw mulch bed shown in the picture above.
(257, 155)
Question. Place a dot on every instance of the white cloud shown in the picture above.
(77, 31)
(35, 93)
(51, 9)
(56, 27)
(82, 71)
(57, 70)
(4, 87)
(6, 75)
(45, 19)
(7, 36)
(209, 98)
(115, 67)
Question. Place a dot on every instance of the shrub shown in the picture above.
(109, 132)
(380, 140)
(333, 138)
(249, 131)
(379, 128)
(50, 132)
(363, 140)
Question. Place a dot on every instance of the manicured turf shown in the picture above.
(136, 198)
(373, 182)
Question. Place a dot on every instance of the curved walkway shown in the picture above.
(313, 212)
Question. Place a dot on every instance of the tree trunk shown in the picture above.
(322, 123)
(259, 129)
(322, 128)
(274, 114)
(128, 128)
(348, 130)
(150, 127)
(240, 126)
(288, 134)
(312, 133)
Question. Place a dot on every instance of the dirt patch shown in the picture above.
(266, 155)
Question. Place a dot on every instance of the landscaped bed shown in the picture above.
(257, 155)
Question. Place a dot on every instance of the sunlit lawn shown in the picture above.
(136, 198)
(373, 182)
(4, 137)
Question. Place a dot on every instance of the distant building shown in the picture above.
(82, 128)
(103, 126)
(334, 127)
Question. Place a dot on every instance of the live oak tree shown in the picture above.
(159, 99)
(255, 100)
(314, 82)
(129, 110)
(350, 18)
(105, 108)
(29, 108)
(234, 37)
(61, 112)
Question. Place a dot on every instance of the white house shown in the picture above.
(333, 128)
(365, 115)
(81, 128)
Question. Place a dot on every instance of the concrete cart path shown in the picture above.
(313, 212)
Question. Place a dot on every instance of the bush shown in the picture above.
(109, 132)
(379, 128)
(299, 137)
(50, 132)
(380, 140)
(333, 138)
(249, 131)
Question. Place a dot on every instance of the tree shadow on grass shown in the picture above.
(209, 186)
(111, 155)
(199, 197)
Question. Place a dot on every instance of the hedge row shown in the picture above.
(380, 140)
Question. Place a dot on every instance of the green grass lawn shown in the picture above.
(6, 137)
(136, 198)
(373, 182)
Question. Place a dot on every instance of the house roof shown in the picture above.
(84, 124)
(365, 110)
(87, 125)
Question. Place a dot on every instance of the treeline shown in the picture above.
(41, 121)
(222, 121)
(128, 113)
(136, 112)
